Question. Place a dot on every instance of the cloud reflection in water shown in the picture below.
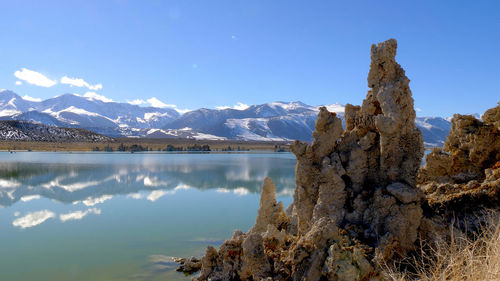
(150, 178)
(33, 218)
(78, 215)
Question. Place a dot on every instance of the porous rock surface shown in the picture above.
(188, 265)
(465, 174)
(355, 203)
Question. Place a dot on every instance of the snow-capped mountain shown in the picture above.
(434, 130)
(279, 121)
(283, 121)
(70, 110)
(270, 121)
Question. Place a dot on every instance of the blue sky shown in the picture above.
(212, 53)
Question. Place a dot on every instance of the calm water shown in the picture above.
(98, 216)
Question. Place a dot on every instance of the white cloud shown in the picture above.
(418, 109)
(234, 37)
(17, 214)
(137, 102)
(78, 215)
(96, 96)
(33, 218)
(34, 78)
(79, 82)
(28, 98)
(237, 106)
(19, 82)
(95, 87)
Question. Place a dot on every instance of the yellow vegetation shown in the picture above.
(462, 258)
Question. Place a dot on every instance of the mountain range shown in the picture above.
(275, 121)
(18, 130)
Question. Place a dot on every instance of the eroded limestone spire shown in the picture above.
(355, 200)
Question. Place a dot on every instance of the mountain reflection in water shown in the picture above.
(121, 216)
(86, 182)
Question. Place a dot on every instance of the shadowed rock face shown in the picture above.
(355, 201)
(465, 174)
(270, 212)
(364, 178)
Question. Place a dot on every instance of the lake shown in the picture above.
(120, 216)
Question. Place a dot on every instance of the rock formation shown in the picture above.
(465, 174)
(189, 265)
(270, 212)
(364, 178)
(355, 202)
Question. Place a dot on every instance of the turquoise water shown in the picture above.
(112, 216)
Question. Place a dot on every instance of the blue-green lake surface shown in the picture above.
(120, 216)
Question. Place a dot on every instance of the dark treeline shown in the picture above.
(139, 148)
(170, 147)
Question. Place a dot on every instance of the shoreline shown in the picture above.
(148, 152)
(146, 145)
(152, 145)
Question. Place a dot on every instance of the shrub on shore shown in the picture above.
(463, 257)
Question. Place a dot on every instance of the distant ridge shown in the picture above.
(274, 121)
(28, 131)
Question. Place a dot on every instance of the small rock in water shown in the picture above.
(189, 265)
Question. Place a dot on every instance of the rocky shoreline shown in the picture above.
(361, 200)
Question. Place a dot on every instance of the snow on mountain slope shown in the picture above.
(336, 107)
(86, 111)
(434, 130)
(186, 133)
(11, 103)
(279, 120)
(255, 129)
(265, 122)
(283, 121)
(9, 112)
